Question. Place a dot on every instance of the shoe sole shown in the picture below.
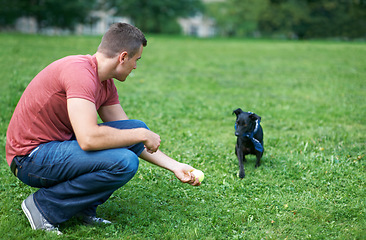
(29, 215)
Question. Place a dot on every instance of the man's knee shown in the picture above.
(127, 164)
(138, 124)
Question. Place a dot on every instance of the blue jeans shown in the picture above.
(73, 181)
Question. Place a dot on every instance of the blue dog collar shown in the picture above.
(257, 145)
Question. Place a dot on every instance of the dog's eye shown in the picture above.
(243, 124)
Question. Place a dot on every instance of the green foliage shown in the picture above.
(310, 95)
(237, 17)
(337, 18)
(291, 18)
(63, 14)
(9, 12)
(302, 19)
(157, 16)
(285, 18)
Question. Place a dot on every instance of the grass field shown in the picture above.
(310, 95)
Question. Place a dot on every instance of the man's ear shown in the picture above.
(122, 57)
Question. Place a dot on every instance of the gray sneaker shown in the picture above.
(91, 220)
(35, 218)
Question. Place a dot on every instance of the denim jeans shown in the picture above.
(73, 181)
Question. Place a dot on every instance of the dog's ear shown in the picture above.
(254, 117)
(237, 111)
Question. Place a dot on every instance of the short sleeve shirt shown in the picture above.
(41, 113)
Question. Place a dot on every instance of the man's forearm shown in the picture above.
(160, 159)
(105, 137)
(182, 171)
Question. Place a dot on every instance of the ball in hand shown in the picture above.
(198, 174)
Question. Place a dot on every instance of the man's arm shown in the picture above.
(182, 171)
(91, 136)
(112, 113)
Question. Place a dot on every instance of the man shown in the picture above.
(54, 142)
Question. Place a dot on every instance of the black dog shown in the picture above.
(249, 137)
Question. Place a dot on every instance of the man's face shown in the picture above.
(129, 63)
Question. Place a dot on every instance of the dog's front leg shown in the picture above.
(241, 158)
(259, 156)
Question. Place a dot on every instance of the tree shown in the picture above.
(237, 17)
(338, 18)
(283, 17)
(64, 14)
(291, 18)
(157, 16)
(315, 18)
(9, 11)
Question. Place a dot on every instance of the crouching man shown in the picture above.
(54, 141)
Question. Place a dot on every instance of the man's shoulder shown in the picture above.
(74, 63)
(76, 59)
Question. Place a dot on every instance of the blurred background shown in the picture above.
(287, 19)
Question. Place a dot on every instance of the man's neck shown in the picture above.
(105, 66)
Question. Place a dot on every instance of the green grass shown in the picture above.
(310, 95)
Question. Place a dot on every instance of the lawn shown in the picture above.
(310, 95)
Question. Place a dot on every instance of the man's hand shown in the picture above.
(152, 142)
(184, 174)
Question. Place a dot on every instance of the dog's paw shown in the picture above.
(241, 174)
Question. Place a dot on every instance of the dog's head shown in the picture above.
(245, 122)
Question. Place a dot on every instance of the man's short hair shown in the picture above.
(122, 37)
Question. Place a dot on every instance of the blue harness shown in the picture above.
(257, 145)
